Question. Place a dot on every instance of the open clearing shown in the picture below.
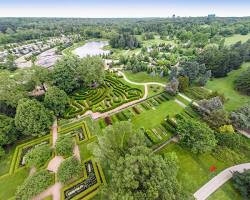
(225, 85)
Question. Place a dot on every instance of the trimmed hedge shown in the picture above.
(108, 96)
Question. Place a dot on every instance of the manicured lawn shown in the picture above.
(9, 184)
(156, 41)
(236, 38)
(225, 85)
(84, 151)
(143, 77)
(154, 89)
(226, 192)
(5, 161)
(153, 117)
(194, 169)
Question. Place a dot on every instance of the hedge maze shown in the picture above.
(87, 186)
(111, 94)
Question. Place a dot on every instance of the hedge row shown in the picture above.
(108, 96)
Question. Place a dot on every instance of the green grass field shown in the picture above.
(194, 169)
(153, 117)
(154, 89)
(5, 161)
(226, 192)
(236, 38)
(143, 77)
(225, 85)
(9, 183)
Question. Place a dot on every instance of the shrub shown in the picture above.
(226, 129)
(195, 135)
(69, 169)
(136, 110)
(38, 156)
(242, 83)
(35, 184)
(108, 120)
(64, 146)
(230, 140)
(242, 184)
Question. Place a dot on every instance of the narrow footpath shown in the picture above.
(211, 186)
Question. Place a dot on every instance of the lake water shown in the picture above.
(92, 49)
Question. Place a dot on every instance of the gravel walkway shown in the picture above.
(210, 187)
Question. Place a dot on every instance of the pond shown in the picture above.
(92, 49)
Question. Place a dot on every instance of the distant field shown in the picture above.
(225, 85)
(236, 38)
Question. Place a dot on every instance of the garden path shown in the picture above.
(54, 190)
(180, 103)
(172, 139)
(77, 152)
(54, 132)
(211, 186)
(96, 115)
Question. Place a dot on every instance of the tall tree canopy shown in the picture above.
(56, 100)
(32, 118)
(137, 173)
(242, 83)
(124, 41)
(91, 70)
(65, 74)
(196, 136)
(8, 132)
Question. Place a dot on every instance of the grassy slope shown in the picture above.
(143, 77)
(226, 192)
(9, 184)
(225, 85)
(236, 38)
(194, 169)
(154, 89)
(5, 161)
(151, 118)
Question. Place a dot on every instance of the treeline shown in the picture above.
(124, 41)
(21, 29)
(30, 98)
(222, 59)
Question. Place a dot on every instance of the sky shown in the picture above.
(125, 8)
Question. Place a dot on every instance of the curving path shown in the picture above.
(136, 83)
(206, 190)
(96, 115)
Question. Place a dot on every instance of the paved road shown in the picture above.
(210, 187)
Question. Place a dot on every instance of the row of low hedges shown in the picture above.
(108, 96)
(91, 182)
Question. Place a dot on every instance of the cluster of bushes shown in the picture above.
(34, 185)
(69, 169)
(242, 83)
(64, 146)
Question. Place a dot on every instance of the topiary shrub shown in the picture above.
(34, 185)
(38, 156)
(69, 169)
(64, 146)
